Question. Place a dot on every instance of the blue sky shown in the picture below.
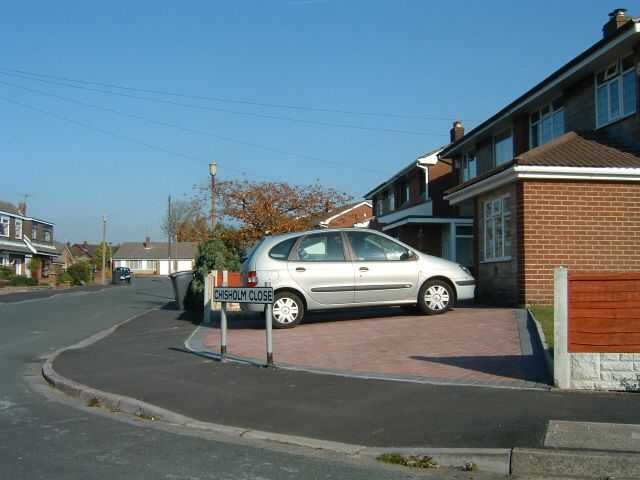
(341, 92)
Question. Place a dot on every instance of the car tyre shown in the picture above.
(288, 310)
(435, 297)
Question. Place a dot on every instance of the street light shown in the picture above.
(213, 169)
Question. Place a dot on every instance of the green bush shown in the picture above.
(64, 277)
(212, 254)
(18, 280)
(31, 282)
(6, 272)
(80, 272)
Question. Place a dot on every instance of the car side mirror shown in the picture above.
(408, 255)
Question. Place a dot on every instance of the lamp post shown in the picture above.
(213, 169)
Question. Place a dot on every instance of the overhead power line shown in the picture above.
(171, 152)
(242, 102)
(235, 112)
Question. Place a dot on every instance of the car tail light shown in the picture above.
(252, 279)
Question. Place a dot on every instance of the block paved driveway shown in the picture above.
(467, 345)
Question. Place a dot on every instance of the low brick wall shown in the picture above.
(597, 331)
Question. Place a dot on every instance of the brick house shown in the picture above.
(83, 251)
(23, 238)
(351, 215)
(553, 179)
(410, 206)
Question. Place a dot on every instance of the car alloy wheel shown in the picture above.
(288, 310)
(436, 296)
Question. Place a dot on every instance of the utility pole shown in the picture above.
(169, 224)
(104, 250)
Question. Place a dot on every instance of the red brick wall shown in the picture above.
(585, 226)
(441, 178)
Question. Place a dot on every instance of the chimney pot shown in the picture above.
(617, 19)
(457, 132)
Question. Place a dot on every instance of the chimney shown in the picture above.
(147, 243)
(457, 132)
(22, 208)
(617, 19)
(85, 245)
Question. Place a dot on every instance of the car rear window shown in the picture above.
(282, 250)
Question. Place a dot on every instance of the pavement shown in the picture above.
(468, 386)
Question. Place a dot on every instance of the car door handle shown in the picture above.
(301, 269)
(364, 269)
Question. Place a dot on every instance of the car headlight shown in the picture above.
(465, 270)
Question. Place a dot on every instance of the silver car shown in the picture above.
(349, 267)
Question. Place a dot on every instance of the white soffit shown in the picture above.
(550, 173)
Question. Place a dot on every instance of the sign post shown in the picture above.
(269, 328)
(260, 295)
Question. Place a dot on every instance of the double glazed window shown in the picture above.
(4, 226)
(615, 91)
(547, 123)
(503, 148)
(18, 228)
(468, 167)
(34, 232)
(497, 240)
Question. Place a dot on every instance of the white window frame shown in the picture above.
(47, 235)
(496, 247)
(614, 76)
(34, 232)
(503, 136)
(466, 172)
(18, 224)
(4, 221)
(551, 112)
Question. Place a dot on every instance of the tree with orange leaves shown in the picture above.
(268, 208)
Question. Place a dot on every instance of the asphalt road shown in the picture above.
(45, 435)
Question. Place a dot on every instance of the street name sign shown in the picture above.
(263, 295)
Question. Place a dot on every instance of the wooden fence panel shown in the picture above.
(604, 313)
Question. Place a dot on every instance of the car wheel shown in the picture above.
(288, 310)
(436, 296)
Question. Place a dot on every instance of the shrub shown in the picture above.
(214, 254)
(6, 272)
(31, 282)
(34, 266)
(64, 277)
(17, 280)
(80, 272)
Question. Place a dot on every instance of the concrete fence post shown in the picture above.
(207, 299)
(561, 356)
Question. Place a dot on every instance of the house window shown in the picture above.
(497, 240)
(615, 91)
(34, 232)
(47, 235)
(379, 207)
(468, 168)
(404, 192)
(4, 226)
(503, 148)
(392, 201)
(546, 124)
(18, 228)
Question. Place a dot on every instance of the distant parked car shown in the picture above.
(123, 274)
(349, 267)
